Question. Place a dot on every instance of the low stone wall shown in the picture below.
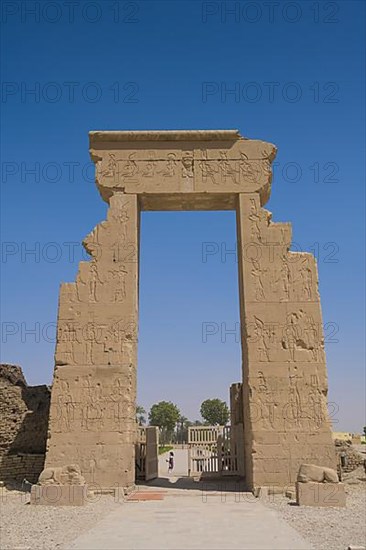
(16, 467)
(353, 457)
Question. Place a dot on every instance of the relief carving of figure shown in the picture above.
(110, 171)
(316, 407)
(94, 281)
(130, 168)
(227, 169)
(170, 166)
(262, 339)
(66, 338)
(306, 278)
(187, 164)
(149, 169)
(265, 403)
(65, 408)
(257, 275)
(294, 400)
(249, 170)
(255, 225)
(90, 340)
(284, 280)
(291, 335)
(209, 169)
(313, 341)
(120, 285)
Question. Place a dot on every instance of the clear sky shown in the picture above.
(287, 72)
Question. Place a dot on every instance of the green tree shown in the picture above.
(215, 412)
(182, 429)
(165, 415)
(140, 415)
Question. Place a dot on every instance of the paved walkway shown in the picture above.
(209, 517)
(192, 522)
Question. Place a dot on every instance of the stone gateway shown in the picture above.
(284, 385)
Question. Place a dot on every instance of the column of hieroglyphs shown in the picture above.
(284, 372)
(92, 417)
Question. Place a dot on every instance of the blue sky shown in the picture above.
(291, 74)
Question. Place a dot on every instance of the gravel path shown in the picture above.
(26, 527)
(328, 528)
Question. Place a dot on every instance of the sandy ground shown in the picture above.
(26, 527)
(330, 528)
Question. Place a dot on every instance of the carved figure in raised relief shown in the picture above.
(262, 340)
(209, 169)
(65, 408)
(169, 170)
(227, 169)
(187, 164)
(130, 168)
(262, 384)
(294, 400)
(312, 338)
(255, 222)
(120, 285)
(284, 280)
(264, 402)
(94, 281)
(306, 278)
(291, 335)
(113, 344)
(257, 275)
(249, 170)
(149, 169)
(91, 339)
(110, 171)
(315, 404)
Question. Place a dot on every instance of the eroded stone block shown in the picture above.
(320, 494)
(59, 495)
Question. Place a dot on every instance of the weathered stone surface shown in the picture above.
(23, 413)
(311, 472)
(284, 374)
(181, 162)
(284, 392)
(320, 494)
(66, 475)
(59, 495)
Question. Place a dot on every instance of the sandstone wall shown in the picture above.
(24, 414)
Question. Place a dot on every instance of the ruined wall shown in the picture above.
(24, 414)
(284, 374)
(92, 415)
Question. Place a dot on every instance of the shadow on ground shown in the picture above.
(233, 485)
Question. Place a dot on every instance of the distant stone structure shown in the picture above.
(24, 412)
(284, 384)
(348, 457)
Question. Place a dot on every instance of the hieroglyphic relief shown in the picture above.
(297, 339)
(149, 169)
(208, 169)
(187, 164)
(248, 164)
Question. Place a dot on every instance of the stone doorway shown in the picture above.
(284, 383)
